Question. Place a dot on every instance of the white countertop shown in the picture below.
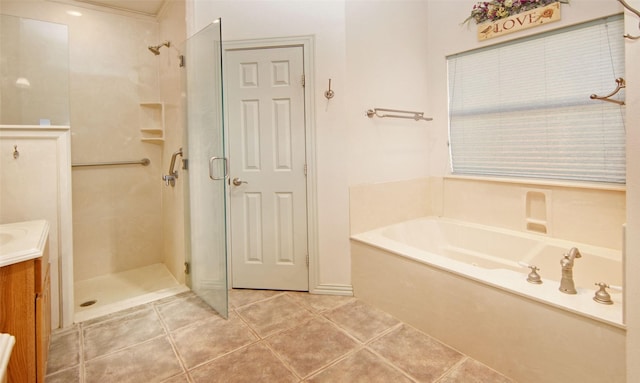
(22, 241)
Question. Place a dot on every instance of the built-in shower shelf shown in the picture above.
(152, 122)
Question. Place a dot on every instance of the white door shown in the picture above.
(268, 204)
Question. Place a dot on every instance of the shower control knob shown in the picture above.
(237, 181)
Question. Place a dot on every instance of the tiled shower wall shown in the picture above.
(117, 210)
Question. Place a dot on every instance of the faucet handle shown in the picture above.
(602, 296)
(533, 276)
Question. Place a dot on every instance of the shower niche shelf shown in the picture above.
(152, 122)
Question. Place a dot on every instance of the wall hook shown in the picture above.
(329, 93)
(636, 12)
(621, 84)
(16, 153)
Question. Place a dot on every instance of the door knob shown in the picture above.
(237, 181)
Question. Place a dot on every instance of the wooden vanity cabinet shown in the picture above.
(25, 312)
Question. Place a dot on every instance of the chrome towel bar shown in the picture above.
(416, 116)
(143, 162)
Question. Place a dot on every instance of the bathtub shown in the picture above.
(466, 284)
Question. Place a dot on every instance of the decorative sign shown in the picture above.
(519, 22)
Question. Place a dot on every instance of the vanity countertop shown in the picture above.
(21, 241)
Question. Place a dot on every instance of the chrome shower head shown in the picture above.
(155, 49)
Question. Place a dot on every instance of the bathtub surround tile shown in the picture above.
(152, 361)
(472, 371)
(211, 338)
(255, 363)
(361, 367)
(106, 337)
(361, 320)
(422, 357)
(303, 341)
(64, 350)
(274, 315)
(311, 346)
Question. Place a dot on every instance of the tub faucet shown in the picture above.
(567, 285)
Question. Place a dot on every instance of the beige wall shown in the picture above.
(632, 282)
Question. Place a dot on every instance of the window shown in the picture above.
(522, 108)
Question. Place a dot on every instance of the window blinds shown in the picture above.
(523, 109)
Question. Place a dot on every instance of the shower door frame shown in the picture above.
(308, 47)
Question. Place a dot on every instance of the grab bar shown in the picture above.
(170, 179)
(143, 162)
(416, 116)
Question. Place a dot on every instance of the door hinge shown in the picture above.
(303, 81)
(305, 170)
(187, 268)
(307, 259)
(181, 58)
(185, 164)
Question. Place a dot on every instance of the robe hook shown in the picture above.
(329, 93)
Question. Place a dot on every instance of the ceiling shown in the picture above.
(144, 7)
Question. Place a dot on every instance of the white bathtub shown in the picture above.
(465, 284)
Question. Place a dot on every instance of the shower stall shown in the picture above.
(164, 224)
(132, 104)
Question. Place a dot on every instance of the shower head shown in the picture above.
(155, 49)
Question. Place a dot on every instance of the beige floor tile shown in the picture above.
(319, 302)
(243, 297)
(182, 378)
(422, 357)
(255, 363)
(311, 346)
(186, 311)
(106, 337)
(472, 371)
(211, 338)
(71, 375)
(361, 320)
(148, 362)
(272, 315)
(115, 315)
(64, 350)
(361, 367)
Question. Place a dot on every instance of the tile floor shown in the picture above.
(270, 336)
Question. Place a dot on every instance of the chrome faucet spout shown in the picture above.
(567, 284)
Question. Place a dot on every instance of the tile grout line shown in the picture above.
(169, 336)
(81, 372)
(391, 364)
(260, 300)
(284, 363)
(452, 368)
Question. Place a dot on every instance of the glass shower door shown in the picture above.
(205, 219)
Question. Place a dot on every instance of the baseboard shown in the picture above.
(346, 290)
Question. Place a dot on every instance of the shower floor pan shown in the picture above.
(107, 294)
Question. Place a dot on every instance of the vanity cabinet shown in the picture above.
(25, 312)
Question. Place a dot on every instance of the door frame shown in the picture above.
(307, 44)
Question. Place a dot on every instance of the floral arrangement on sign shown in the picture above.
(499, 9)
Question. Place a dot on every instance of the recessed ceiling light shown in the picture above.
(74, 13)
